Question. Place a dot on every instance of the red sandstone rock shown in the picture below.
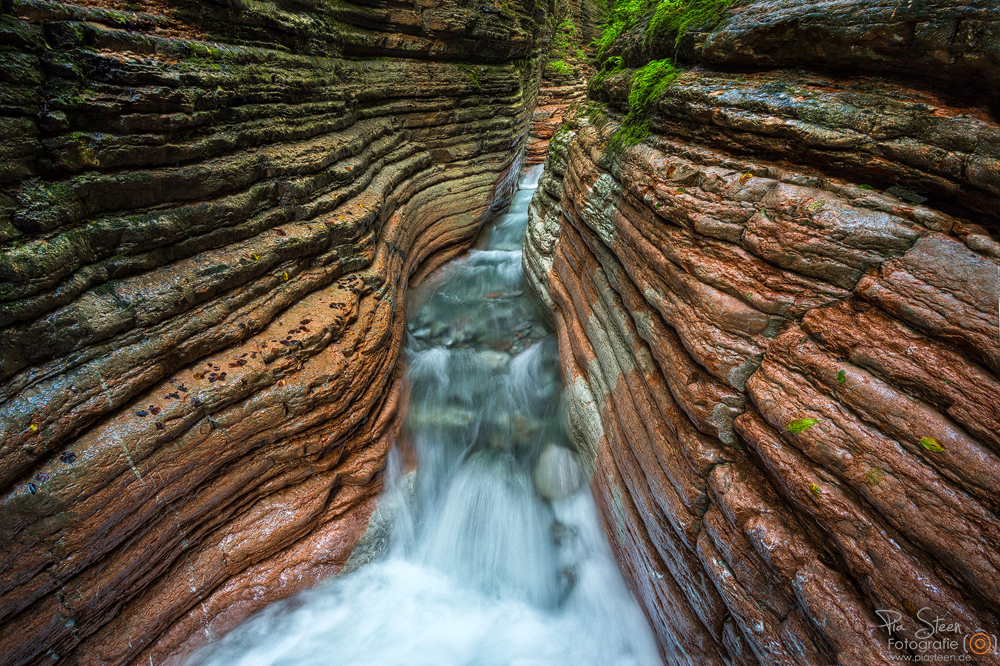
(205, 251)
(729, 276)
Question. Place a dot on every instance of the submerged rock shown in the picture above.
(557, 473)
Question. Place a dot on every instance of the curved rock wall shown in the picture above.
(785, 375)
(209, 212)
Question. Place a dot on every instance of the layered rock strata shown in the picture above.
(209, 212)
(560, 91)
(564, 78)
(786, 377)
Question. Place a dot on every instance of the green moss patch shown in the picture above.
(679, 16)
(649, 82)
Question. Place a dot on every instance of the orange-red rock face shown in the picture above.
(558, 93)
(758, 345)
(208, 218)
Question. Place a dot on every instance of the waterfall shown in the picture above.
(497, 555)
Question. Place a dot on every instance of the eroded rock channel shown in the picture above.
(766, 239)
(496, 553)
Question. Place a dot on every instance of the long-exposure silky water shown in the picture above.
(497, 556)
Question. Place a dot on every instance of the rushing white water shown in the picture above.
(483, 570)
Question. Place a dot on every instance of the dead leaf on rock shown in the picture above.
(931, 444)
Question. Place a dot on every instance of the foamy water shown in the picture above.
(495, 558)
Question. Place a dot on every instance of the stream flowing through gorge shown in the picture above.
(496, 554)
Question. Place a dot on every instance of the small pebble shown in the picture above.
(67, 457)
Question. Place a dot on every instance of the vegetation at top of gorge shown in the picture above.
(565, 47)
(659, 21)
(662, 17)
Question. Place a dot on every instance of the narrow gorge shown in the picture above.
(275, 389)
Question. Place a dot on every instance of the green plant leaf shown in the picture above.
(801, 425)
(866, 187)
(931, 444)
(841, 376)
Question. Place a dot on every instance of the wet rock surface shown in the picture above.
(781, 361)
(559, 92)
(208, 215)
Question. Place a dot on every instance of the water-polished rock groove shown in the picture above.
(496, 553)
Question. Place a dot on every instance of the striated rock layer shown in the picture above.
(564, 78)
(560, 91)
(209, 212)
(786, 378)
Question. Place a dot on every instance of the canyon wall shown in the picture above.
(778, 324)
(560, 92)
(567, 69)
(209, 212)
